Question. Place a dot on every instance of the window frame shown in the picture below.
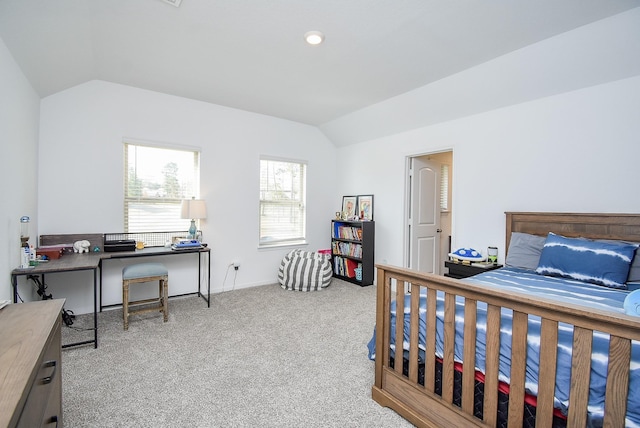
(173, 202)
(291, 240)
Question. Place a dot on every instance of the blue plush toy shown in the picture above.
(632, 303)
(467, 254)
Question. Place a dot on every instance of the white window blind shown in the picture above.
(156, 181)
(282, 202)
(444, 187)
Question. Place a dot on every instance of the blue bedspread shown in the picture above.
(560, 290)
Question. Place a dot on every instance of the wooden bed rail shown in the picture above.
(423, 407)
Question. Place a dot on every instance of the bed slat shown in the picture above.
(468, 373)
(383, 318)
(547, 376)
(617, 381)
(414, 329)
(580, 369)
(430, 348)
(492, 361)
(518, 367)
(399, 322)
(449, 343)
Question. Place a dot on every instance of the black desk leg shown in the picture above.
(199, 273)
(208, 298)
(95, 305)
(14, 282)
(100, 267)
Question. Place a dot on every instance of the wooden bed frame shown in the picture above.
(423, 407)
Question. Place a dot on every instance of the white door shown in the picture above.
(424, 212)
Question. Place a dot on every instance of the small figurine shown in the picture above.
(81, 246)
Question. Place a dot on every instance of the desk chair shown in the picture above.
(141, 273)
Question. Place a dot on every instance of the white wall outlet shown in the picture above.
(236, 264)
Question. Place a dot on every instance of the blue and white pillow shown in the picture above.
(596, 262)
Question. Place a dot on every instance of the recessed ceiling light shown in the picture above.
(314, 37)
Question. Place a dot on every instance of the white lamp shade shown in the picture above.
(194, 208)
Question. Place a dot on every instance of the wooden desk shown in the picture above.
(66, 263)
(162, 251)
(93, 261)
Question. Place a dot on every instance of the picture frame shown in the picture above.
(349, 206)
(365, 207)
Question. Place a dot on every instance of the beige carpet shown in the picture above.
(259, 357)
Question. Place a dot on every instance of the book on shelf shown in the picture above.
(345, 267)
(483, 264)
(351, 266)
(343, 231)
(350, 249)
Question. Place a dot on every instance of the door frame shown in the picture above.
(407, 204)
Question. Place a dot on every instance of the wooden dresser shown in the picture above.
(31, 365)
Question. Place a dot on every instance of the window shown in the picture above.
(282, 202)
(156, 179)
(444, 187)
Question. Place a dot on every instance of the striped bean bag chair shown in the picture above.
(305, 271)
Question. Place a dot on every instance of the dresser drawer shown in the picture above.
(43, 403)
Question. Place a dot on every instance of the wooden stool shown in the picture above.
(145, 272)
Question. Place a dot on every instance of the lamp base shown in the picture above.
(192, 230)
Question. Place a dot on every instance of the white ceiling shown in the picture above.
(250, 54)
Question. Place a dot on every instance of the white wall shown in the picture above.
(81, 178)
(19, 115)
(568, 141)
(576, 152)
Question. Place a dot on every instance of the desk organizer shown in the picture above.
(111, 246)
(150, 239)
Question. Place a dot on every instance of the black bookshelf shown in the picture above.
(352, 247)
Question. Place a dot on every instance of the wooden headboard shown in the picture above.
(625, 227)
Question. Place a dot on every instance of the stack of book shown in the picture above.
(347, 249)
(345, 267)
(347, 232)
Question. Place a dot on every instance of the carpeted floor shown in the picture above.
(259, 357)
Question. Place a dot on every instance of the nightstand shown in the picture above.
(460, 270)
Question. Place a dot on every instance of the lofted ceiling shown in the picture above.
(250, 54)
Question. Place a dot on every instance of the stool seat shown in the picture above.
(141, 273)
(144, 270)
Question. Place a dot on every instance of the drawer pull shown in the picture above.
(53, 419)
(49, 379)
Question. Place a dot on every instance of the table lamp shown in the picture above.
(194, 209)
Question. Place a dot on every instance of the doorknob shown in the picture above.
(438, 230)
